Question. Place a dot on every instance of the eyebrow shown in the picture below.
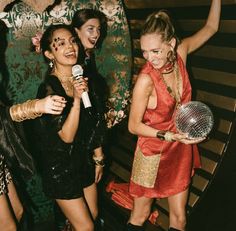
(152, 49)
(93, 26)
(60, 39)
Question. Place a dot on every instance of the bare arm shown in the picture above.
(98, 153)
(140, 100)
(71, 124)
(211, 26)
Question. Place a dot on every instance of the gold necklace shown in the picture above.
(66, 82)
(176, 96)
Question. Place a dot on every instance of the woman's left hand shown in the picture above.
(52, 104)
(98, 173)
(183, 138)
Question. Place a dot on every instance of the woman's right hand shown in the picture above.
(80, 86)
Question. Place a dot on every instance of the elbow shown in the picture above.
(213, 29)
(65, 138)
(131, 128)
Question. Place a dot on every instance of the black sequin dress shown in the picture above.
(67, 168)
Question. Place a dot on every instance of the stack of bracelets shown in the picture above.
(20, 112)
(99, 160)
(165, 135)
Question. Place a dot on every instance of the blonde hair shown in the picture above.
(161, 24)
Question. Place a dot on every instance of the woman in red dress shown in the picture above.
(164, 159)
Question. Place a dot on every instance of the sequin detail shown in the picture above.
(5, 176)
(145, 169)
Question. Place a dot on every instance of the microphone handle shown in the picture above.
(86, 100)
(85, 96)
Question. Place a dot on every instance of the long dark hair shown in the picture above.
(82, 16)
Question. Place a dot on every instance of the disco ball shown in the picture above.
(194, 119)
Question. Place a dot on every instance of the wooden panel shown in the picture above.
(163, 203)
(226, 53)
(208, 165)
(226, 26)
(199, 182)
(136, 24)
(121, 156)
(222, 101)
(139, 61)
(193, 198)
(134, 4)
(212, 76)
(224, 126)
(213, 145)
(163, 221)
(136, 43)
(120, 171)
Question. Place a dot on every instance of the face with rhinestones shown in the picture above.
(155, 50)
(89, 33)
(64, 49)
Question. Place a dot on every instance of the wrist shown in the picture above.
(37, 106)
(76, 104)
(99, 160)
(161, 134)
(165, 135)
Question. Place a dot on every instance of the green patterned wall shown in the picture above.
(26, 68)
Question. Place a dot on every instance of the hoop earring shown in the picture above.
(171, 56)
(51, 63)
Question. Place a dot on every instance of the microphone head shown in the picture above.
(77, 70)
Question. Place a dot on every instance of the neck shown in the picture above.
(63, 73)
(167, 68)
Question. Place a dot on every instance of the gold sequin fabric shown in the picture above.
(5, 176)
(145, 169)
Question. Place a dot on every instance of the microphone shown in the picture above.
(77, 72)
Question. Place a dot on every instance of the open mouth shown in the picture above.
(92, 41)
(70, 54)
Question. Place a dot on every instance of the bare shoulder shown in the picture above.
(144, 80)
(183, 51)
(144, 83)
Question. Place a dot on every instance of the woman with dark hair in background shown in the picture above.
(91, 27)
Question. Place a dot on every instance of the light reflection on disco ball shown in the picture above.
(194, 118)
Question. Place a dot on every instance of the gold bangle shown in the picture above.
(168, 136)
(26, 110)
(99, 163)
(99, 158)
(161, 134)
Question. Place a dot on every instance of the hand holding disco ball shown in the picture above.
(194, 119)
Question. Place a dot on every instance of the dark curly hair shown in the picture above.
(46, 39)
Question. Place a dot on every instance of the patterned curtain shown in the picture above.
(26, 68)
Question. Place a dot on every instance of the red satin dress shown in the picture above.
(174, 167)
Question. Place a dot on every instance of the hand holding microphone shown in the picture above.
(77, 72)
